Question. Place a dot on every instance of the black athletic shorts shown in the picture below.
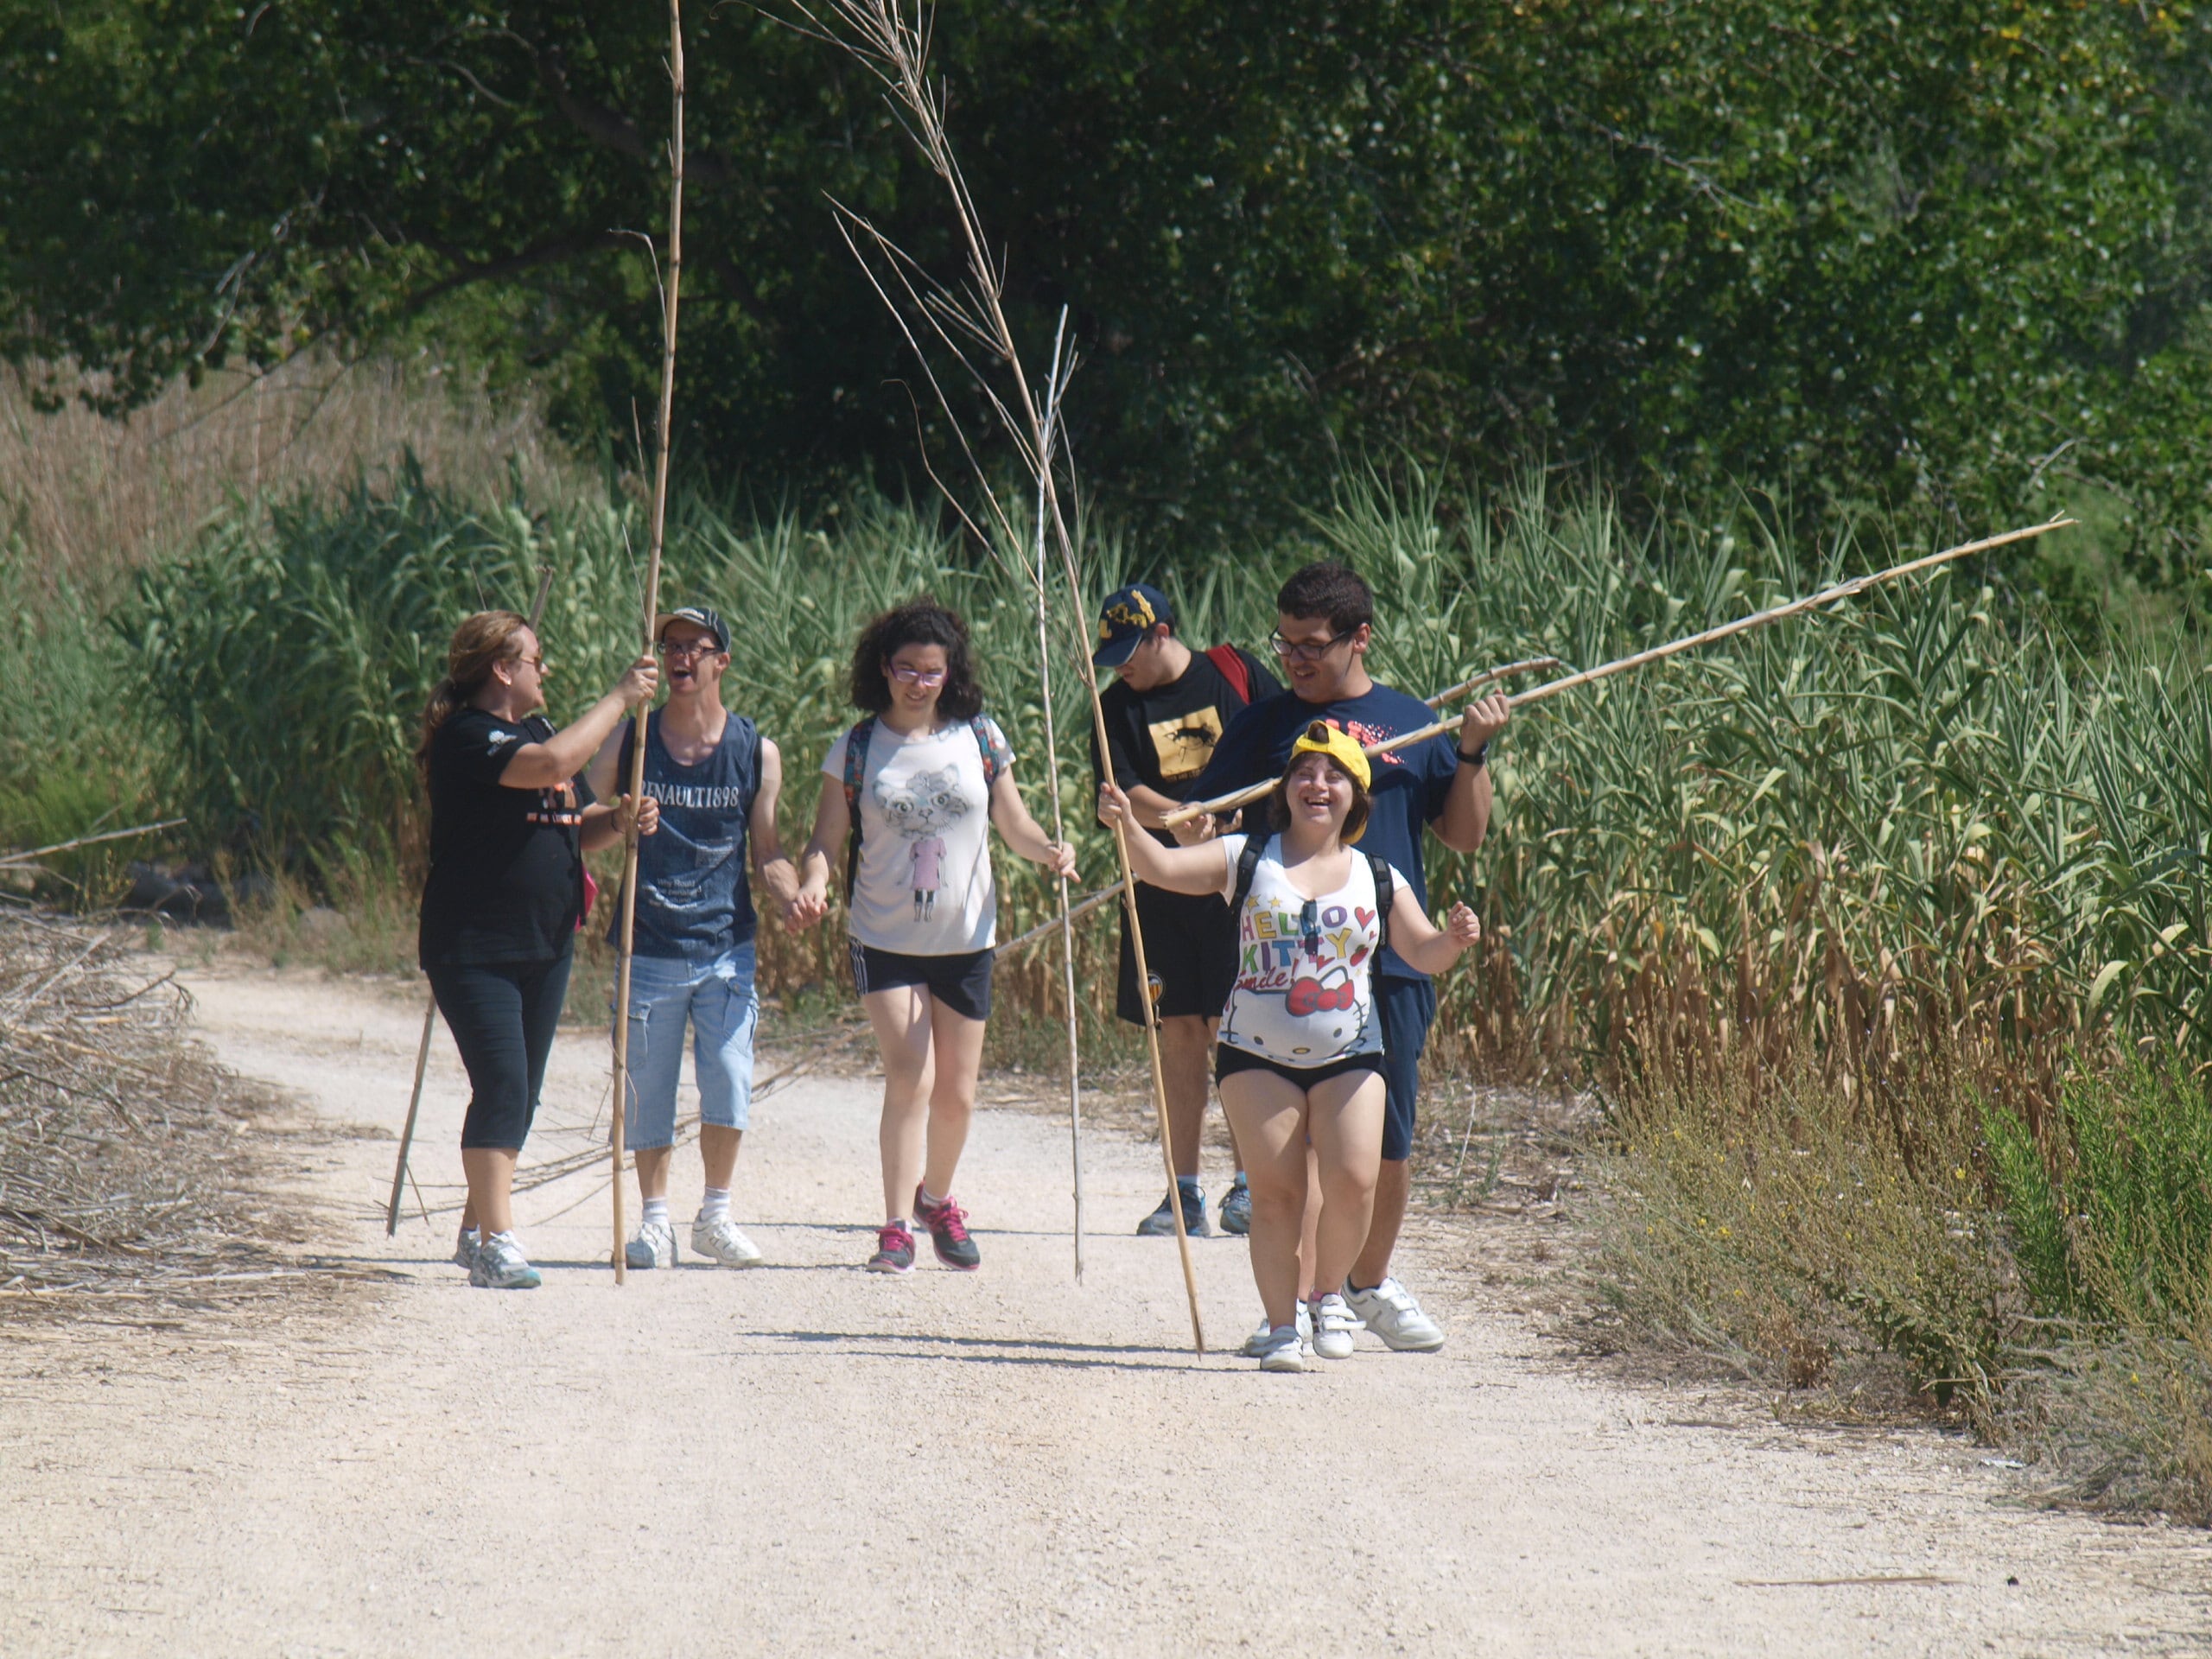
(1228, 1062)
(1190, 946)
(962, 983)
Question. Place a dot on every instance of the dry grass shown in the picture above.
(90, 496)
(126, 1178)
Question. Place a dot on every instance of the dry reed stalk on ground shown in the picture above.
(963, 322)
(122, 1168)
(670, 292)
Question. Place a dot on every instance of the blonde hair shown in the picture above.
(481, 640)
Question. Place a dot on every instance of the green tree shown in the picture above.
(1953, 254)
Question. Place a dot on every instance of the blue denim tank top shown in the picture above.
(695, 893)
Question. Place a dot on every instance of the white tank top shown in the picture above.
(1305, 989)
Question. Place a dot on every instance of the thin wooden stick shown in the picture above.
(87, 841)
(1842, 590)
(400, 1172)
(407, 1135)
(669, 298)
(1060, 827)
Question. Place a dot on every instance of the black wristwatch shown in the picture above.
(1480, 755)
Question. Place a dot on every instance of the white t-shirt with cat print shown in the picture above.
(1304, 993)
(925, 888)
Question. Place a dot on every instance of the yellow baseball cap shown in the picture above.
(1321, 738)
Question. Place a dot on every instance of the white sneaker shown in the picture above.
(1390, 1312)
(720, 1240)
(1334, 1327)
(653, 1247)
(500, 1265)
(1283, 1351)
(1258, 1339)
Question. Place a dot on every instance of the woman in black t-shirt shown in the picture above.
(511, 819)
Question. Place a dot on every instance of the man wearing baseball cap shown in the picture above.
(1164, 712)
(716, 780)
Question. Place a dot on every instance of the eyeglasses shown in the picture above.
(1302, 650)
(685, 648)
(917, 676)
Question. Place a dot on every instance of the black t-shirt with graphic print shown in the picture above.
(1164, 738)
(507, 879)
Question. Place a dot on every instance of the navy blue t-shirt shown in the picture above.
(695, 894)
(1411, 786)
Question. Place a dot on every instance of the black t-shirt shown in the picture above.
(1164, 738)
(506, 879)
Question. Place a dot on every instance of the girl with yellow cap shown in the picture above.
(1301, 1051)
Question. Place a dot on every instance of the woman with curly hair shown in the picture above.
(913, 789)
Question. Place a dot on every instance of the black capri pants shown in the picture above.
(503, 1015)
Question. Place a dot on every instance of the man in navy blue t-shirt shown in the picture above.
(1325, 623)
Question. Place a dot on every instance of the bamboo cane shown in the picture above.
(1842, 590)
(430, 1002)
(1059, 829)
(669, 298)
(893, 49)
(26, 856)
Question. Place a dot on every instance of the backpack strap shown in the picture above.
(856, 742)
(1248, 865)
(1385, 894)
(982, 728)
(1234, 668)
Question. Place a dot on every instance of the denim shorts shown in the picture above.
(717, 999)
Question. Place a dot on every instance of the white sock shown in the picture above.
(898, 1222)
(655, 1213)
(929, 1199)
(714, 1204)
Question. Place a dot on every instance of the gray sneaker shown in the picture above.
(464, 1248)
(1237, 1210)
(500, 1265)
(720, 1240)
(1256, 1342)
(653, 1247)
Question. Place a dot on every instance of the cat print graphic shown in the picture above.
(921, 807)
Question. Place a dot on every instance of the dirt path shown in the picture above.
(808, 1458)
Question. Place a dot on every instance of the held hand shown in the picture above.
(646, 810)
(808, 906)
(1463, 927)
(1195, 832)
(1114, 806)
(1483, 720)
(1060, 858)
(639, 682)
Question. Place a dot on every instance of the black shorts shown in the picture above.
(1228, 1062)
(962, 982)
(1190, 946)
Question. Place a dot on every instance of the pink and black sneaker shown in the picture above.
(895, 1250)
(948, 1225)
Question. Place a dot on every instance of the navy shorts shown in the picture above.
(962, 983)
(1408, 1008)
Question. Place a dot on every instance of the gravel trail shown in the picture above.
(806, 1458)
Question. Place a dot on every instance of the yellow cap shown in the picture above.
(1321, 738)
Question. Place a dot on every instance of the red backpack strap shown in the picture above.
(1234, 668)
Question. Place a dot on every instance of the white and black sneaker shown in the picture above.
(500, 1265)
(1390, 1312)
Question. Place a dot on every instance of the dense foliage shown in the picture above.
(1952, 254)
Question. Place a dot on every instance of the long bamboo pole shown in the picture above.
(1060, 827)
(1842, 590)
(430, 1002)
(670, 294)
(30, 854)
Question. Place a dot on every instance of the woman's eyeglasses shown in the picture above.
(1305, 651)
(927, 677)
